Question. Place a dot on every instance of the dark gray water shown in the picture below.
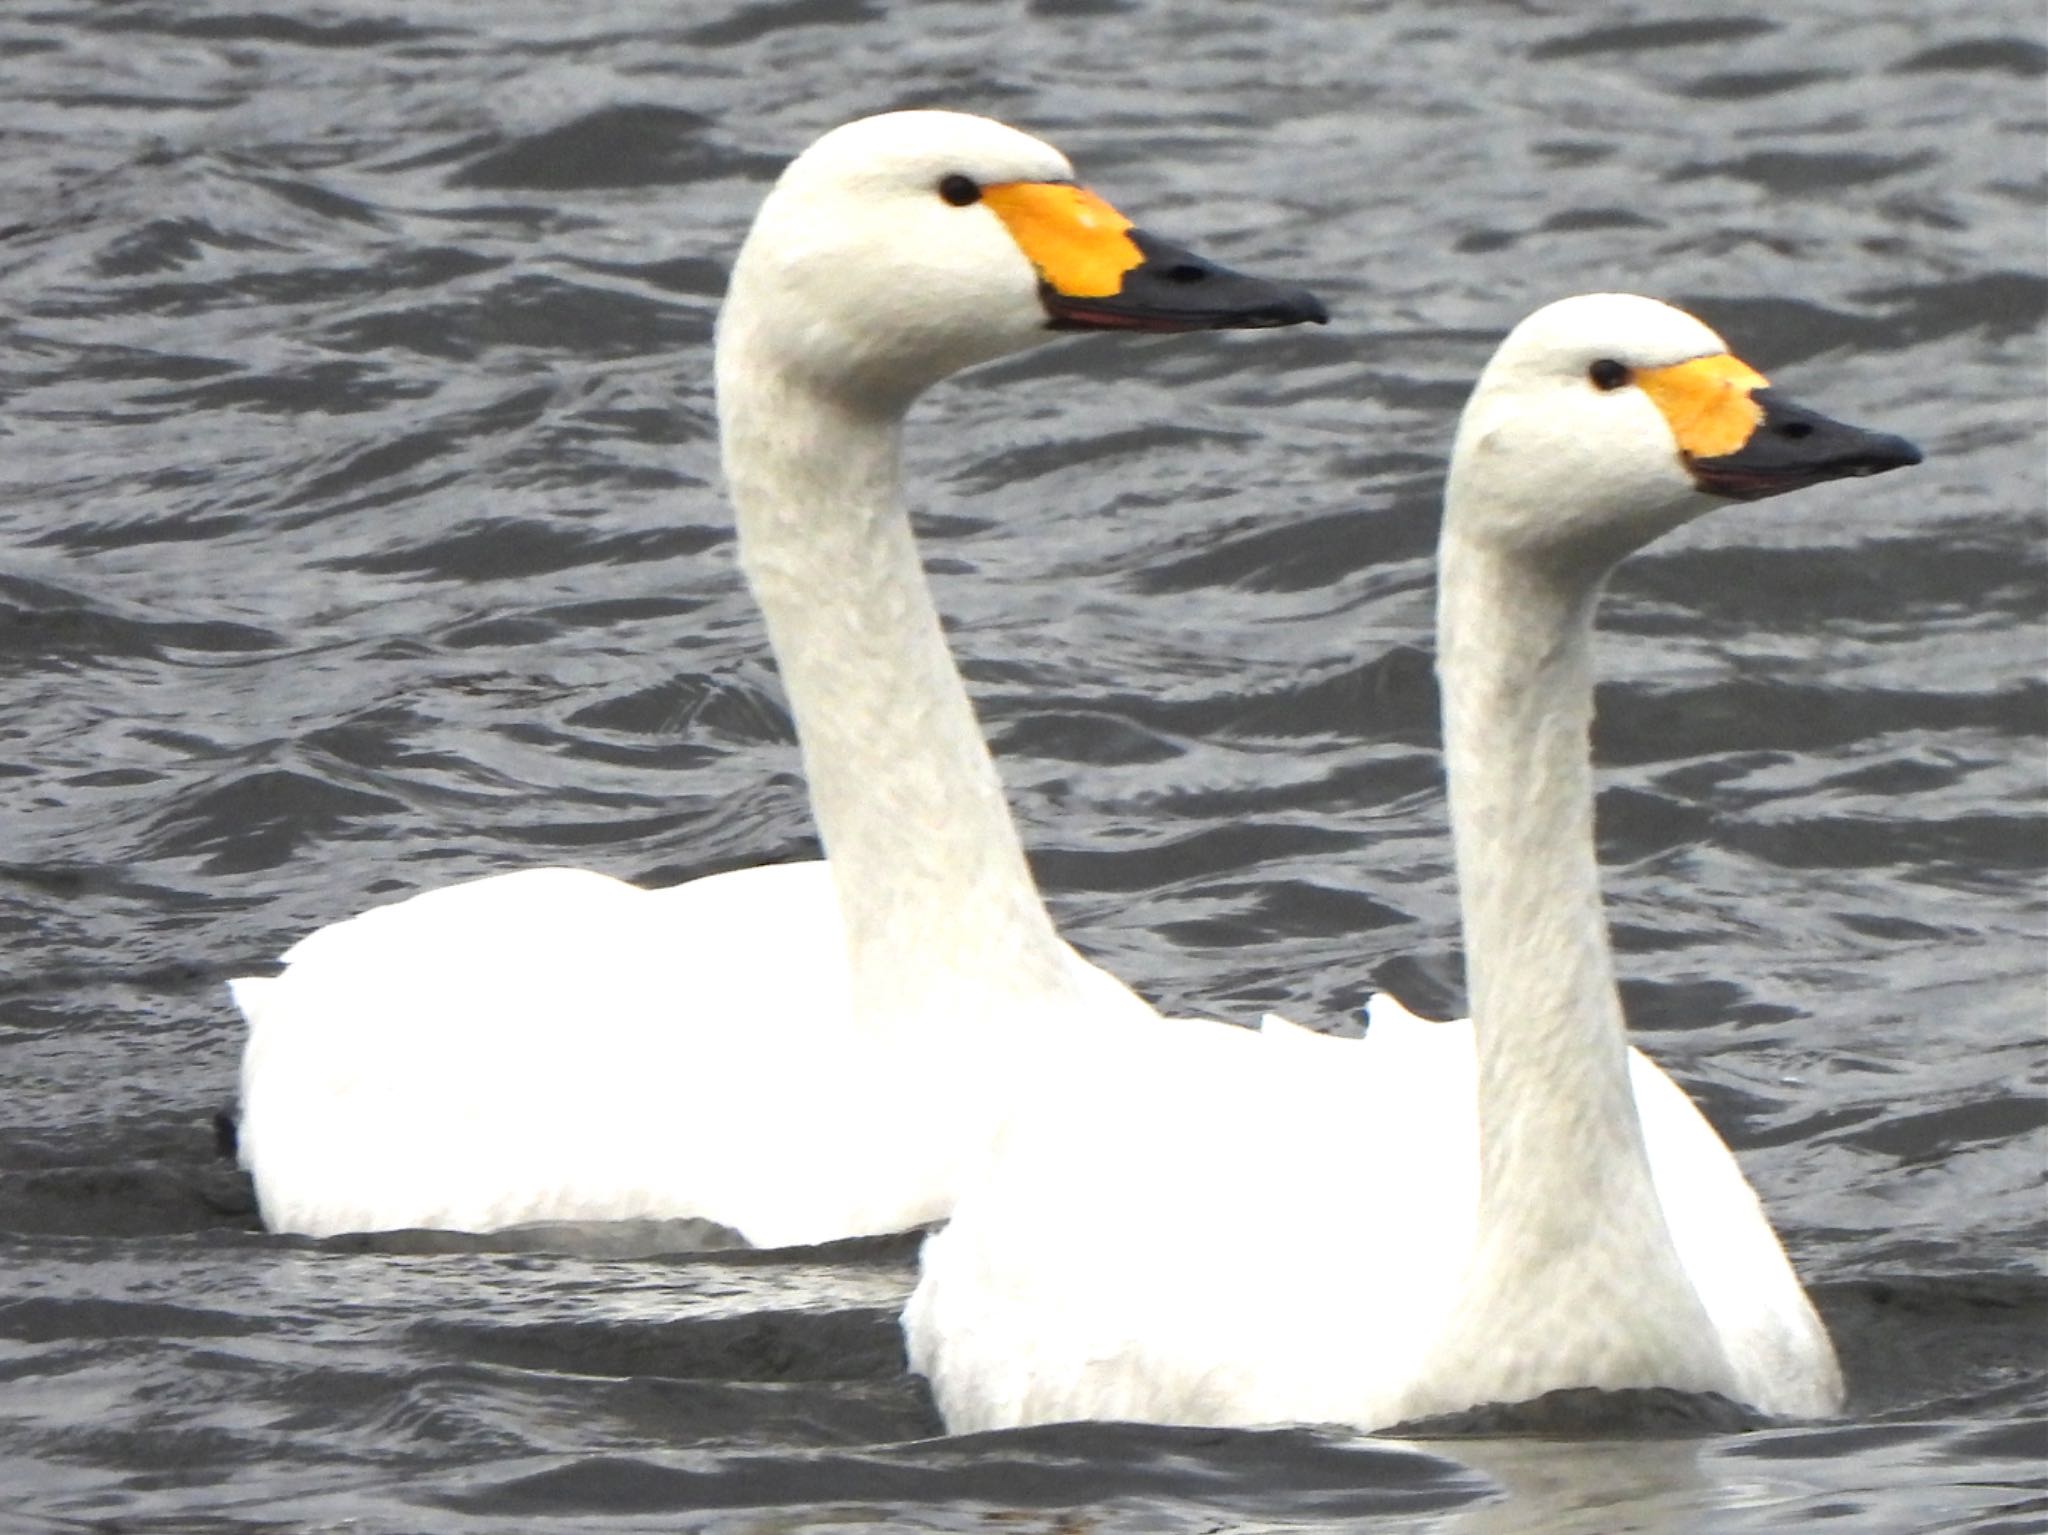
(361, 533)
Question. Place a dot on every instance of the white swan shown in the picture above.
(1229, 1227)
(791, 1052)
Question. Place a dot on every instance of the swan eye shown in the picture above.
(1608, 375)
(960, 190)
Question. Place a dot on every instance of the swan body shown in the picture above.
(799, 1053)
(555, 1045)
(1242, 1228)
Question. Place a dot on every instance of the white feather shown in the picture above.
(1210, 1226)
(798, 1053)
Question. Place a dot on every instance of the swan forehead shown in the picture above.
(1637, 332)
(919, 148)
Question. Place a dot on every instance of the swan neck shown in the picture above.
(1565, 1182)
(939, 903)
(1515, 656)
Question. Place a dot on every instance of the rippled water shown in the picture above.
(362, 533)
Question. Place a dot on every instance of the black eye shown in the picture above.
(1607, 374)
(960, 190)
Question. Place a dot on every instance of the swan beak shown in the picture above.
(1743, 440)
(1172, 289)
(1097, 272)
(1792, 447)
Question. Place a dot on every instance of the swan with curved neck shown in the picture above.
(794, 1052)
(1438, 1216)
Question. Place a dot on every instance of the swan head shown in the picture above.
(901, 248)
(1606, 420)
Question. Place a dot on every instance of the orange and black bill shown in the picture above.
(1171, 289)
(1097, 272)
(1790, 447)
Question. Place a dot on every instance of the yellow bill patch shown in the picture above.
(1074, 238)
(1707, 402)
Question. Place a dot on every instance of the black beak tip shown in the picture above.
(1795, 447)
(1881, 453)
(1293, 306)
(1898, 453)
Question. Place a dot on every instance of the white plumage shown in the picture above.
(798, 1053)
(1215, 1226)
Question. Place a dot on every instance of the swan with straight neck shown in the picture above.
(793, 1053)
(1250, 1228)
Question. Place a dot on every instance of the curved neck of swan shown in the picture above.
(1569, 1220)
(939, 904)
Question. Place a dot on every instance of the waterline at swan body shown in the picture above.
(1227, 1227)
(797, 1053)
